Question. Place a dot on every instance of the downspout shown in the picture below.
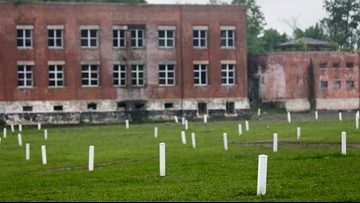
(181, 60)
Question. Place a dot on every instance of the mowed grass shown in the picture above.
(127, 163)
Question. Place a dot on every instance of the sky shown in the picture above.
(279, 14)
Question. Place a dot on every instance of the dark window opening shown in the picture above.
(168, 105)
(336, 65)
(91, 106)
(349, 65)
(230, 107)
(27, 108)
(139, 106)
(122, 105)
(58, 108)
(202, 108)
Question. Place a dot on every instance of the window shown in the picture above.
(336, 65)
(91, 106)
(119, 75)
(166, 36)
(27, 108)
(137, 75)
(119, 36)
(168, 105)
(200, 36)
(137, 38)
(202, 108)
(228, 74)
(200, 74)
(350, 84)
(230, 107)
(349, 65)
(89, 36)
(89, 75)
(55, 36)
(58, 108)
(323, 65)
(227, 36)
(324, 84)
(337, 84)
(24, 36)
(25, 76)
(56, 76)
(122, 106)
(166, 74)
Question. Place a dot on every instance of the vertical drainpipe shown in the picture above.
(181, 59)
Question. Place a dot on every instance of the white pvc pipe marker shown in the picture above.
(20, 127)
(19, 139)
(357, 123)
(225, 142)
(240, 129)
(262, 171)
(45, 134)
(205, 118)
(343, 143)
(43, 153)
(316, 115)
(176, 119)
(4, 132)
(193, 140)
(39, 126)
(127, 123)
(27, 151)
(12, 128)
(186, 125)
(247, 125)
(275, 142)
(340, 116)
(289, 117)
(298, 132)
(259, 111)
(91, 158)
(183, 137)
(162, 159)
(155, 132)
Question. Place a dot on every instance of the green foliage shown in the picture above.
(302, 46)
(272, 38)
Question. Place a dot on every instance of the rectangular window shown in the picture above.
(336, 65)
(58, 108)
(227, 36)
(166, 36)
(89, 36)
(56, 75)
(323, 65)
(324, 84)
(200, 36)
(24, 36)
(119, 36)
(350, 84)
(27, 108)
(89, 75)
(137, 75)
(230, 107)
(349, 65)
(200, 74)
(337, 84)
(166, 74)
(25, 76)
(137, 38)
(202, 108)
(228, 74)
(55, 36)
(119, 75)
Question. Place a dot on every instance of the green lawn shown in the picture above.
(127, 163)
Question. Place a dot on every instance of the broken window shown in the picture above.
(122, 106)
(91, 106)
(230, 107)
(202, 108)
(139, 106)
(168, 105)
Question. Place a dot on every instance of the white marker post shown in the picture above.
(162, 159)
(27, 151)
(43, 153)
(316, 115)
(155, 132)
(225, 142)
(183, 120)
(19, 139)
(205, 118)
(240, 129)
(259, 112)
(298, 133)
(39, 126)
(91, 158)
(176, 119)
(20, 127)
(357, 123)
(247, 125)
(0, 140)
(275, 142)
(4, 132)
(12, 128)
(340, 116)
(343, 143)
(262, 171)
(289, 117)
(183, 137)
(193, 140)
(127, 123)
(45, 134)
(186, 125)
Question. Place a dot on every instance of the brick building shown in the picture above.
(104, 62)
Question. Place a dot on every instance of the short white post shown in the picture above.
(205, 118)
(240, 129)
(27, 151)
(12, 128)
(316, 115)
(357, 123)
(176, 119)
(127, 123)
(39, 126)
(20, 127)
(91, 158)
(298, 133)
(193, 140)
(43, 153)
(340, 116)
(4, 132)
(247, 125)
(262, 171)
(343, 143)
(183, 137)
(183, 120)
(155, 132)
(289, 117)
(45, 134)
(162, 159)
(259, 111)
(0, 140)
(357, 114)
(186, 125)
(275, 142)
(225, 142)
(19, 139)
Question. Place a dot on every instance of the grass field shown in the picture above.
(127, 162)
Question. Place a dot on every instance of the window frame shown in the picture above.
(56, 79)
(227, 72)
(137, 75)
(89, 38)
(167, 72)
(55, 37)
(119, 75)
(226, 39)
(90, 73)
(27, 82)
(118, 38)
(136, 38)
(24, 38)
(197, 40)
(198, 69)
(166, 38)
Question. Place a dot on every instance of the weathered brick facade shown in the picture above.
(86, 84)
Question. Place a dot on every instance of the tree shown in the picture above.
(315, 32)
(272, 38)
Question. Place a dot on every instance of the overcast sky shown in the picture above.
(304, 12)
